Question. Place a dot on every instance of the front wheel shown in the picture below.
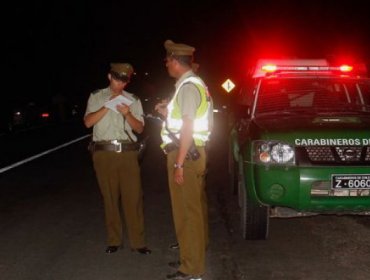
(254, 217)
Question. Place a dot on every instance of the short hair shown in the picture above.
(185, 60)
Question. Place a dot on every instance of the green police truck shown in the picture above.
(300, 143)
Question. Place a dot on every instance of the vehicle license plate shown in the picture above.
(350, 181)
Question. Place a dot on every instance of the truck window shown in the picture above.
(324, 94)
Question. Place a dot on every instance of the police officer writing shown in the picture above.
(184, 136)
(114, 114)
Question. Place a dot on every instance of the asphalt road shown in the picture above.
(52, 227)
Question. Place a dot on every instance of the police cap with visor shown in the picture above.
(177, 49)
(121, 71)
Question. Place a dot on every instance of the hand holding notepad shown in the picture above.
(120, 99)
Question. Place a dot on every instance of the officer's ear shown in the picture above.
(175, 61)
(109, 76)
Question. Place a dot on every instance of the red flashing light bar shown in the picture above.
(271, 68)
(346, 68)
(306, 66)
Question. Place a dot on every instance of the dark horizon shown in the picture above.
(65, 48)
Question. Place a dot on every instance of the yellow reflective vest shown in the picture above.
(201, 129)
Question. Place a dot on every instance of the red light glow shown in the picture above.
(269, 68)
(346, 68)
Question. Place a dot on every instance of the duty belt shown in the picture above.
(192, 154)
(113, 146)
(169, 148)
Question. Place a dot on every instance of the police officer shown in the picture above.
(187, 118)
(195, 69)
(114, 153)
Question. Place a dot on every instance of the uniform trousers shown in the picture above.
(118, 176)
(190, 213)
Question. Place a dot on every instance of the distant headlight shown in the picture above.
(273, 152)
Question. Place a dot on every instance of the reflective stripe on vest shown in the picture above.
(201, 124)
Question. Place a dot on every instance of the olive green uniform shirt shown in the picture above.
(112, 126)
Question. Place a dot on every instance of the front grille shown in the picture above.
(320, 154)
(342, 155)
(348, 154)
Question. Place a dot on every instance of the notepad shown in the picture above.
(120, 99)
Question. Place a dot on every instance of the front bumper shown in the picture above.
(308, 188)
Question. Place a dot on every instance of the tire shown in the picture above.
(254, 217)
(233, 173)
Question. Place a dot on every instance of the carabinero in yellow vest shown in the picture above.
(188, 120)
(201, 128)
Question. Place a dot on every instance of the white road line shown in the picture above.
(42, 154)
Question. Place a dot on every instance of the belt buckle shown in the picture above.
(117, 144)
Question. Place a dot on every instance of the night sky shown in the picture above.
(64, 47)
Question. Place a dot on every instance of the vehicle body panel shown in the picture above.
(330, 137)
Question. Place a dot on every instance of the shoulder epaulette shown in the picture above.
(132, 95)
(96, 91)
(135, 96)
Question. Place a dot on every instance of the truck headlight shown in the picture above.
(282, 153)
(273, 152)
